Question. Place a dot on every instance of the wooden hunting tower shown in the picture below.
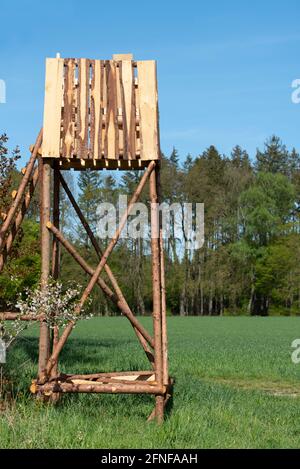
(97, 114)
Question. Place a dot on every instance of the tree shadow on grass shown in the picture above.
(85, 355)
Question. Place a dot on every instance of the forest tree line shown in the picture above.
(250, 260)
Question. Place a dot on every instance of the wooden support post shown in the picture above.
(55, 243)
(163, 289)
(156, 285)
(167, 397)
(45, 207)
(55, 268)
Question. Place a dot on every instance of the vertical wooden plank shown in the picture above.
(111, 131)
(75, 107)
(92, 111)
(148, 109)
(52, 107)
(119, 57)
(120, 112)
(83, 108)
(96, 110)
(68, 122)
(103, 109)
(137, 118)
(129, 108)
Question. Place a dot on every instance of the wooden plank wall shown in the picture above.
(53, 106)
(101, 109)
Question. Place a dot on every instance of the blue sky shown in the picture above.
(224, 68)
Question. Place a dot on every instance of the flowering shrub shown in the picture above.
(54, 302)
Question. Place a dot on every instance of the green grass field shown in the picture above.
(236, 386)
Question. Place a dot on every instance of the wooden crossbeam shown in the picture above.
(109, 388)
(113, 374)
(8, 316)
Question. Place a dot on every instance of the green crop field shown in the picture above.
(236, 386)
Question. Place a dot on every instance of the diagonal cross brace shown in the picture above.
(14, 228)
(19, 197)
(123, 306)
(94, 242)
(140, 335)
(68, 329)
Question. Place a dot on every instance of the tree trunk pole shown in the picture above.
(55, 271)
(163, 289)
(156, 285)
(45, 207)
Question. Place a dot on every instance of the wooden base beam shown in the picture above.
(107, 388)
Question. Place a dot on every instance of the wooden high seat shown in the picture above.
(98, 114)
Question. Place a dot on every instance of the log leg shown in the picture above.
(163, 290)
(156, 283)
(45, 175)
(55, 270)
(55, 249)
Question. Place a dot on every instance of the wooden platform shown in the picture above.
(126, 382)
(105, 163)
(98, 110)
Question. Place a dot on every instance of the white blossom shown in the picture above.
(56, 303)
